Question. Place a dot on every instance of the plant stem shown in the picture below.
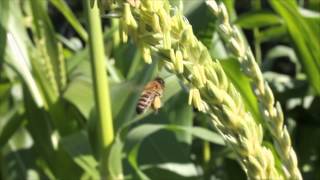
(100, 82)
(116, 34)
(256, 5)
(206, 153)
(257, 47)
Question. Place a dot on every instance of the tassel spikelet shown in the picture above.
(269, 108)
(165, 31)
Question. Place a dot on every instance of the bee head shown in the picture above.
(159, 80)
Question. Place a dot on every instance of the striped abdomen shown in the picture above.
(145, 101)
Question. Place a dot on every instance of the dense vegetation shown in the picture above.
(241, 97)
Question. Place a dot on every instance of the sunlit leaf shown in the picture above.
(307, 47)
(78, 147)
(258, 19)
(66, 11)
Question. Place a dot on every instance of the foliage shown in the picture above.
(50, 125)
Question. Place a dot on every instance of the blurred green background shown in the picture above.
(48, 123)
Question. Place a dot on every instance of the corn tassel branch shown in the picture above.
(269, 108)
(157, 27)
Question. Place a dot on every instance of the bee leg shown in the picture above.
(156, 104)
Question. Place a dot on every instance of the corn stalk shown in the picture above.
(100, 82)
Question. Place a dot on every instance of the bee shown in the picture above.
(151, 95)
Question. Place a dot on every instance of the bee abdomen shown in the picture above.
(140, 109)
(144, 102)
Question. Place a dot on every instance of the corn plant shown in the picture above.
(241, 94)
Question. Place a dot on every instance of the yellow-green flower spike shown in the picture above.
(179, 62)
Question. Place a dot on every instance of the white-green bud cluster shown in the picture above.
(177, 60)
(48, 70)
(166, 31)
(62, 68)
(270, 109)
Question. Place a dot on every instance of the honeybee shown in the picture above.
(151, 95)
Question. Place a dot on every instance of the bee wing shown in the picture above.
(133, 88)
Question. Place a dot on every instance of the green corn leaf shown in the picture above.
(242, 83)
(10, 124)
(137, 135)
(68, 14)
(258, 19)
(302, 36)
(78, 147)
(83, 99)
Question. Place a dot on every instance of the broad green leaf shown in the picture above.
(303, 38)
(180, 113)
(136, 61)
(258, 19)
(40, 130)
(5, 88)
(126, 60)
(233, 170)
(68, 14)
(14, 47)
(137, 135)
(69, 168)
(191, 6)
(79, 93)
(312, 18)
(132, 158)
(115, 158)
(204, 29)
(172, 171)
(9, 125)
(4, 16)
(77, 60)
(314, 5)
(78, 147)
(242, 83)
(157, 142)
(120, 93)
(273, 33)
(21, 164)
(231, 5)
(309, 13)
(306, 134)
